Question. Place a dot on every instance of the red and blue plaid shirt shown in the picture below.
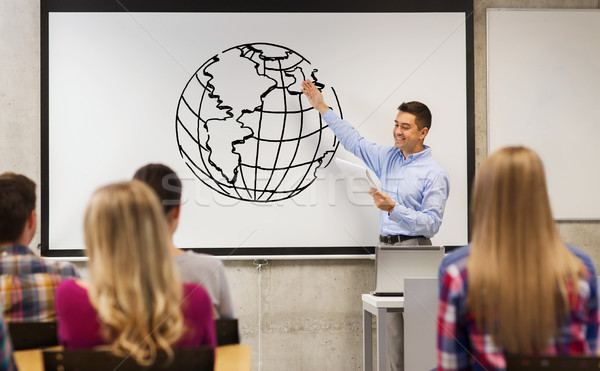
(6, 350)
(463, 346)
(27, 284)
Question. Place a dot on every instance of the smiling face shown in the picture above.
(407, 135)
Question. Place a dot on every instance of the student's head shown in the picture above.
(134, 285)
(510, 195)
(167, 185)
(516, 249)
(17, 208)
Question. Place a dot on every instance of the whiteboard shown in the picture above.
(544, 92)
(116, 83)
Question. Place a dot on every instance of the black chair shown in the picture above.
(227, 331)
(30, 335)
(100, 360)
(549, 363)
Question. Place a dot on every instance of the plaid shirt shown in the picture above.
(27, 284)
(6, 350)
(463, 346)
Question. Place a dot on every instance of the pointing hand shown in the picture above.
(314, 96)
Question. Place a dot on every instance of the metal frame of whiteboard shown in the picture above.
(461, 184)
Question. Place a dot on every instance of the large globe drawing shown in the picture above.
(245, 129)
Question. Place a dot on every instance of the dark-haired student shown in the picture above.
(204, 269)
(415, 187)
(27, 282)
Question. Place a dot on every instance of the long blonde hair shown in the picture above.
(133, 284)
(518, 268)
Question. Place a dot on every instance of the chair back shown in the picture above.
(227, 331)
(99, 360)
(556, 362)
(30, 335)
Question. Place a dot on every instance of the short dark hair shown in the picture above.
(164, 181)
(17, 201)
(421, 112)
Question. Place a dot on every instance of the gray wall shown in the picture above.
(309, 310)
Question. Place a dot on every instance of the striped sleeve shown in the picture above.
(452, 334)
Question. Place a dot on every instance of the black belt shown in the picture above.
(396, 238)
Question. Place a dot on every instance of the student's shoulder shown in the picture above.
(196, 295)
(67, 268)
(28, 263)
(48, 265)
(455, 257)
(71, 289)
(72, 284)
(195, 290)
(584, 257)
(62, 268)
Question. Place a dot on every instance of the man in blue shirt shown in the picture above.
(415, 187)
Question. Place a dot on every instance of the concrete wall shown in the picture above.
(309, 310)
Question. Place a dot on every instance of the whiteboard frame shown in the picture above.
(427, 6)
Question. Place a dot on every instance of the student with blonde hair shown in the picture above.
(517, 288)
(134, 301)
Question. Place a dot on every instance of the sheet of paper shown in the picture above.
(354, 171)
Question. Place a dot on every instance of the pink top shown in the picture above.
(79, 326)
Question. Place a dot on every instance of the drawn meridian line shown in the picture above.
(315, 154)
(244, 183)
(257, 152)
(259, 108)
(336, 143)
(283, 123)
(297, 147)
(299, 137)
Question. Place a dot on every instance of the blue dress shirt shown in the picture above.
(418, 184)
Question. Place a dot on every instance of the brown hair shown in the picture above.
(516, 249)
(421, 112)
(163, 180)
(17, 201)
